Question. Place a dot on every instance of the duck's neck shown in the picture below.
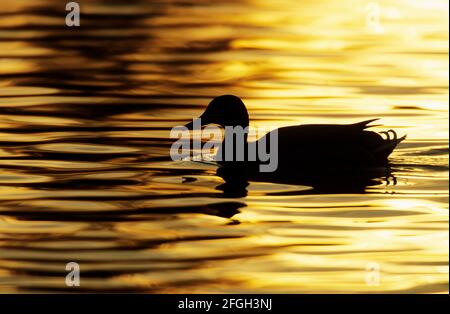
(234, 143)
(236, 131)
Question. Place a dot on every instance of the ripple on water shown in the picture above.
(69, 148)
(85, 122)
(9, 177)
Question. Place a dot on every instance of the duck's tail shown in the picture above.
(389, 144)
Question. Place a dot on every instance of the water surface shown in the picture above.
(85, 175)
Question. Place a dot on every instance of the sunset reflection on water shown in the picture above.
(85, 172)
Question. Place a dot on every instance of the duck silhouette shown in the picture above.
(310, 147)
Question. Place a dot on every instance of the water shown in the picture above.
(85, 116)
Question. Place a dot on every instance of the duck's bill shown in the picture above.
(195, 124)
(190, 125)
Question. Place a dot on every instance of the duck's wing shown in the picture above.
(324, 132)
(364, 124)
(340, 142)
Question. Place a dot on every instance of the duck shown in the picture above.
(305, 146)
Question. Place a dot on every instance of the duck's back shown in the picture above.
(330, 145)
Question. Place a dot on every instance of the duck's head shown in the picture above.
(225, 110)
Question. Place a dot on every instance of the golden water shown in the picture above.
(85, 115)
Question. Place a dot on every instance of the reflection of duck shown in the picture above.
(304, 146)
(320, 180)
